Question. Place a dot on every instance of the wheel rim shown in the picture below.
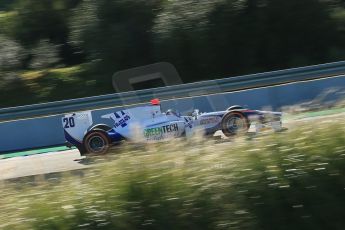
(236, 125)
(97, 144)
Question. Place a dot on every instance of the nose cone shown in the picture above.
(271, 116)
(278, 114)
(268, 113)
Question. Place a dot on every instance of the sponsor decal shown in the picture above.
(189, 122)
(159, 131)
(122, 122)
(209, 120)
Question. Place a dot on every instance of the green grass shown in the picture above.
(33, 152)
(290, 180)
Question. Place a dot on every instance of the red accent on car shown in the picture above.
(155, 102)
(248, 111)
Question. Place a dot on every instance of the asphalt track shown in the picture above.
(60, 159)
(39, 164)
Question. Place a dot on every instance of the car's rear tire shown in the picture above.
(100, 126)
(234, 123)
(96, 142)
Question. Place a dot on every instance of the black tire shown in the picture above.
(100, 126)
(96, 142)
(235, 107)
(234, 123)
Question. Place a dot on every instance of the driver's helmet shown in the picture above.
(173, 112)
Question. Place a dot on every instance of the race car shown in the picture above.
(149, 124)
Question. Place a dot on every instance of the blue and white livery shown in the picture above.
(148, 124)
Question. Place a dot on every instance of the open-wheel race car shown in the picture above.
(150, 124)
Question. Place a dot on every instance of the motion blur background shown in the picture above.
(63, 49)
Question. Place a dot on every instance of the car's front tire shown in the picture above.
(234, 123)
(96, 142)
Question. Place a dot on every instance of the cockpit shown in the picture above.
(173, 112)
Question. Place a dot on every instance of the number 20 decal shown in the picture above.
(68, 122)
